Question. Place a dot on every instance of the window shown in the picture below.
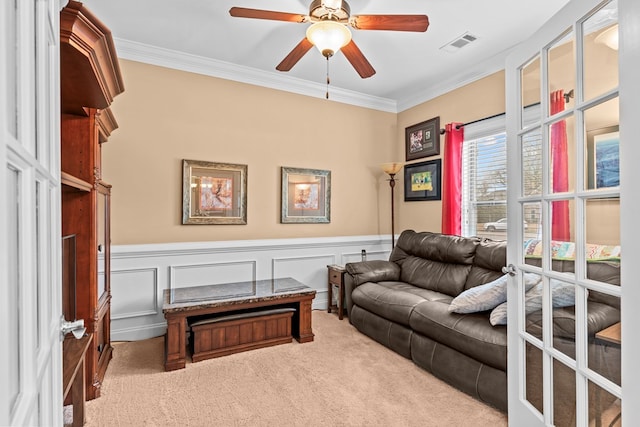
(484, 179)
(484, 176)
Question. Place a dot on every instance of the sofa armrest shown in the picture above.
(372, 271)
(358, 273)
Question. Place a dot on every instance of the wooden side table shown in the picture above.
(73, 374)
(336, 277)
(612, 334)
(608, 336)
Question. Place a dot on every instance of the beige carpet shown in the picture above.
(343, 378)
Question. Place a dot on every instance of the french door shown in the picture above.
(574, 169)
(30, 295)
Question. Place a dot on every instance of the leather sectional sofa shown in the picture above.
(404, 303)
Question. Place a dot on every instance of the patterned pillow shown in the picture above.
(566, 250)
(559, 250)
(563, 294)
(487, 296)
(602, 252)
(533, 248)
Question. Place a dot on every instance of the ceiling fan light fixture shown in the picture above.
(328, 36)
(332, 5)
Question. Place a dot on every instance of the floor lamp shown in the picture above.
(392, 169)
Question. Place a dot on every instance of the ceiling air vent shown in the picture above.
(459, 42)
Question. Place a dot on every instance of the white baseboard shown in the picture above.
(141, 273)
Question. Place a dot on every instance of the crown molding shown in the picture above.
(167, 58)
(468, 75)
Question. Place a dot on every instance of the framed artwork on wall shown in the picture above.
(606, 149)
(423, 139)
(306, 196)
(213, 193)
(422, 181)
(600, 134)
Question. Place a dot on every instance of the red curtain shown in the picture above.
(452, 180)
(560, 223)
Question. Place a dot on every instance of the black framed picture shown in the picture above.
(422, 181)
(423, 139)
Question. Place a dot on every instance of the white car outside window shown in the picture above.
(500, 224)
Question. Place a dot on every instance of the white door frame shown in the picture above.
(629, 17)
(30, 295)
(629, 91)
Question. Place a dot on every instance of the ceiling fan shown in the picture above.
(330, 33)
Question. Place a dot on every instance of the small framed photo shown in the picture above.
(213, 193)
(423, 139)
(422, 181)
(306, 196)
(607, 159)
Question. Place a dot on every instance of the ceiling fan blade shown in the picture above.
(242, 12)
(357, 59)
(418, 23)
(295, 55)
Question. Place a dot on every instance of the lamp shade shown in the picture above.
(328, 36)
(391, 168)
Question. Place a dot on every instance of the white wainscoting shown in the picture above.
(141, 273)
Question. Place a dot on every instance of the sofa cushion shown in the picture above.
(602, 271)
(599, 317)
(426, 294)
(386, 301)
(470, 334)
(435, 247)
(487, 265)
(435, 261)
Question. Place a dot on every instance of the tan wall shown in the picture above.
(167, 115)
(480, 99)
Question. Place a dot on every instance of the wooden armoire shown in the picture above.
(90, 78)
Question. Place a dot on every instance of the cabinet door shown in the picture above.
(102, 350)
(102, 253)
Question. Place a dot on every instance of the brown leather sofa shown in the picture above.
(403, 304)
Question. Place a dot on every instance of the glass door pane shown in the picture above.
(564, 318)
(600, 33)
(602, 145)
(562, 71)
(14, 342)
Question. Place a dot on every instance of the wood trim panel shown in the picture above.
(75, 183)
(90, 72)
(106, 122)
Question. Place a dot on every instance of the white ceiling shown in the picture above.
(410, 67)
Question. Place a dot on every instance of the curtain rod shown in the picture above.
(458, 126)
(443, 131)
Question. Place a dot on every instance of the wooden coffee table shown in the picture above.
(183, 304)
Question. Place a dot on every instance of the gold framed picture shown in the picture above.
(213, 193)
(306, 196)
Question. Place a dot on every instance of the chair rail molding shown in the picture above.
(141, 273)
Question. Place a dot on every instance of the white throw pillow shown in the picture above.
(563, 294)
(487, 296)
